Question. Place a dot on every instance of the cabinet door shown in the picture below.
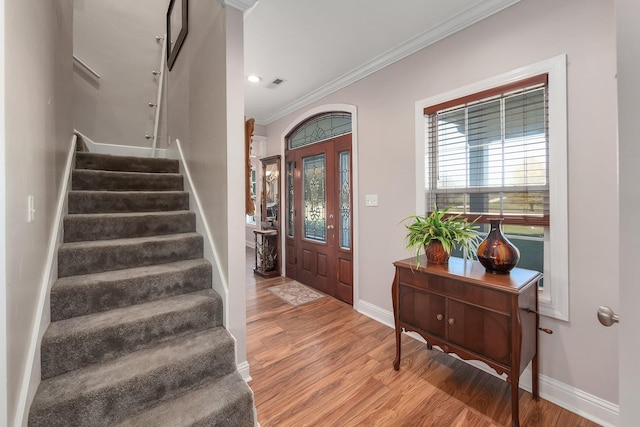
(485, 332)
(423, 310)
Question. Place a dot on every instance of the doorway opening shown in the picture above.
(319, 204)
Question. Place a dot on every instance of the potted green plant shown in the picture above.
(438, 234)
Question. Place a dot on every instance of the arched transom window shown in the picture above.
(320, 128)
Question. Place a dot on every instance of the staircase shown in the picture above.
(136, 335)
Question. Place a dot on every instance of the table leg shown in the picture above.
(396, 319)
(515, 401)
(534, 378)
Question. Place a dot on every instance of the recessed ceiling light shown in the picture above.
(254, 79)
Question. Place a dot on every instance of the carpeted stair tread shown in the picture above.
(224, 402)
(81, 341)
(77, 258)
(91, 293)
(82, 227)
(136, 333)
(81, 202)
(108, 392)
(87, 179)
(86, 160)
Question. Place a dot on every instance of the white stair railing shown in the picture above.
(84, 66)
(158, 103)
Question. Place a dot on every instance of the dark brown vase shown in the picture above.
(496, 253)
(435, 253)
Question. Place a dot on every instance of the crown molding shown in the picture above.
(462, 20)
(241, 5)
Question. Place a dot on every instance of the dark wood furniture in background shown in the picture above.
(474, 314)
(267, 238)
(266, 253)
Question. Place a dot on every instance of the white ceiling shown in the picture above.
(320, 46)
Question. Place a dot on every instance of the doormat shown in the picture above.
(295, 293)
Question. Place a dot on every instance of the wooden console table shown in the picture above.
(476, 315)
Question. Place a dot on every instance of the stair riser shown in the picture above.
(146, 329)
(74, 351)
(227, 402)
(80, 229)
(86, 260)
(108, 405)
(124, 181)
(239, 413)
(125, 164)
(107, 295)
(81, 202)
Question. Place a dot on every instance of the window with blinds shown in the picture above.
(488, 154)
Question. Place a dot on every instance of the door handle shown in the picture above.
(607, 317)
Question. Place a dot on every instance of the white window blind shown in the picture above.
(488, 154)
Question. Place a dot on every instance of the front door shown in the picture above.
(319, 234)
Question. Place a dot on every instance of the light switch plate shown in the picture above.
(371, 200)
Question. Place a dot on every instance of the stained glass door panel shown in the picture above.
(314, 172)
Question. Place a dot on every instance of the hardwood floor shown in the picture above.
(324, 364)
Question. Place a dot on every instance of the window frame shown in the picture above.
(554, 297)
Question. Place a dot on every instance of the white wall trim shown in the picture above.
(123, 150)
(4, 381)
(376, 313)
(570, 398)
(241, 5)
(554, 300)
(31, 374)
(353, 110)
(466, 18)
(210, 252)
(243, 369)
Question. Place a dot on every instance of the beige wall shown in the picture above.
(117, 39)
(38, 131)
(205, 112)
(530, 31)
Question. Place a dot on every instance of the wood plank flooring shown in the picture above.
(324, 364)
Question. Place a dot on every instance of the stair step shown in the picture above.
(83, 227)
(106, 255)
(105, 393)
(86, 179)
(92, 293)
(81, 202)
(81, 341)
(227, 401)
(86, 160)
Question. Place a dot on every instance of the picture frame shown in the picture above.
(177, 28)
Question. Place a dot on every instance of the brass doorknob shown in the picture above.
(452, 321)
(439, 316)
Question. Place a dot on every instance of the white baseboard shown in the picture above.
(123, 150)
(243, 368)
(32, 372)
(376, 313)
(570, 398)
